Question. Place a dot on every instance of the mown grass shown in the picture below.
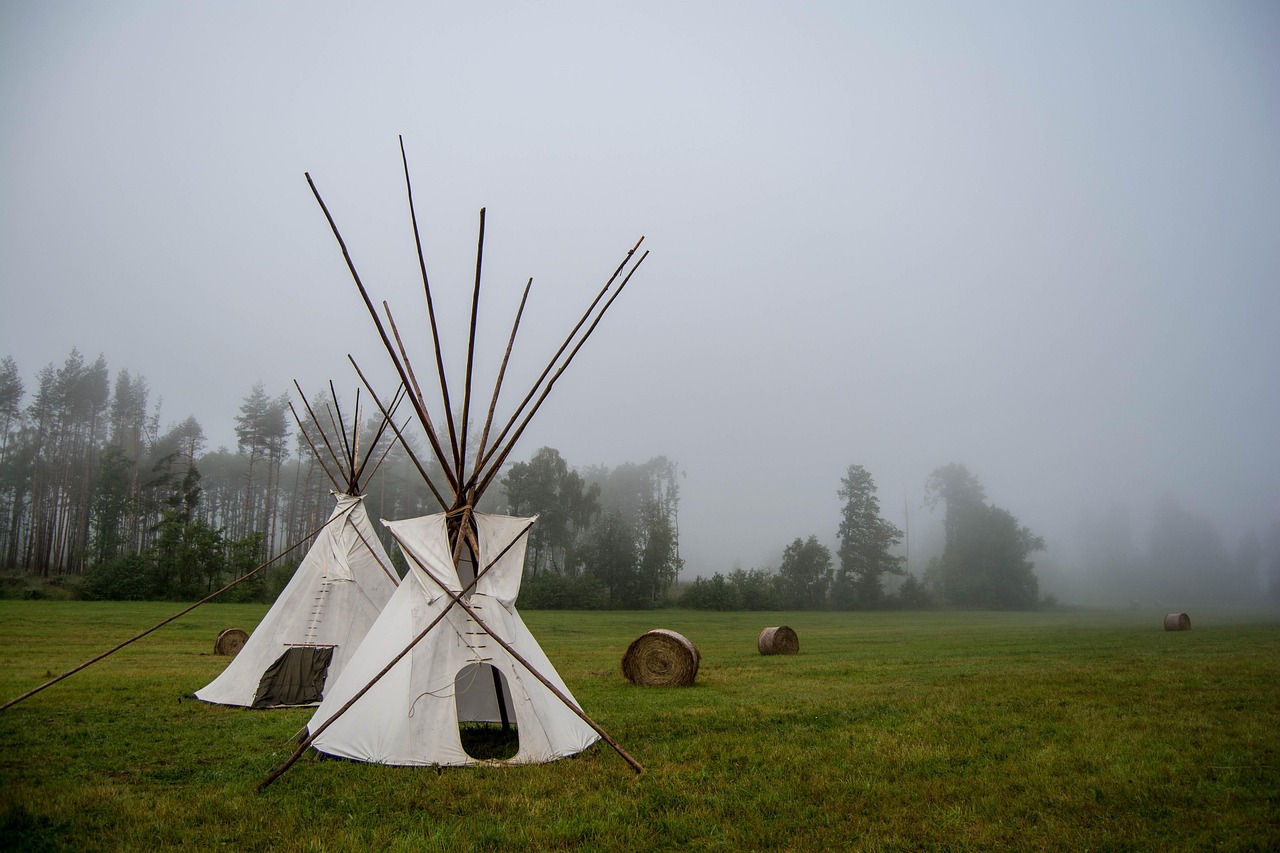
(888, 731)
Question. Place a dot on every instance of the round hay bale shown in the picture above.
(1177, 622)
(230, 642)
(661, 658)
(778, 641)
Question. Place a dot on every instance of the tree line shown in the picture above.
(984, 563)
(95, 494)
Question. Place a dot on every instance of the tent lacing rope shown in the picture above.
(452, 690)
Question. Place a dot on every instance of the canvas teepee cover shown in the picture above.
(311, 633)
(412, 714)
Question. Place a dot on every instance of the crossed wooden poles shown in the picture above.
(465, 488)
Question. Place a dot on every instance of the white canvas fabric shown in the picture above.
(412, 715)
(333, 599)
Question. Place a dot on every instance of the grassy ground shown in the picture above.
(888, 731)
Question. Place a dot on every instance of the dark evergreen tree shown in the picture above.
(865, 543)
(262, 439)
(113, 506)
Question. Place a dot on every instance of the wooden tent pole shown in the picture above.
(497, 464)
(400, 436)
(310, 738)
(460, 455)
(358, 475)
(395, 579)
(431, 311)
(481, 463)
(352, 486)
(386, 342)
(381, 457)
(307, 403)
(355, 431)
(340, 426)
(502, 371)
(325, 468)
(408, 365)
(137, 637)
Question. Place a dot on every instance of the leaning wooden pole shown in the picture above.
(355, 431)
(373, 552)
(496, 466)
(158, 625)
(471, 354)
(429, 426)
(502, 371)
(339, 426)
(307, 403)
(400, 436)
(383, 456)
(358, 477)
(377, 322)
(586, 315)
(426, 287)
(316, 453)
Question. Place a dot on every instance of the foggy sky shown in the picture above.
(1041, 240)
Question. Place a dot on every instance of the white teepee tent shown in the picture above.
(336, 593)
(450, 639)
(312, 631)
(412, 715)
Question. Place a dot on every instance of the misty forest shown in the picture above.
(98, 501)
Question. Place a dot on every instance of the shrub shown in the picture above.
(131, 578)
(548, 591)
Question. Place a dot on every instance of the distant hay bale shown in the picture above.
(661, 658)
(778, 641)
(1177, 622)
(230, 642)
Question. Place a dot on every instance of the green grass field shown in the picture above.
(888, 731)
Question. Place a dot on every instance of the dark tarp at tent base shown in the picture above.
(296, 678)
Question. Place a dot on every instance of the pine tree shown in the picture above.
(865, 541)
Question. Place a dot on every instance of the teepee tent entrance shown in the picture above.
(486, 740)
